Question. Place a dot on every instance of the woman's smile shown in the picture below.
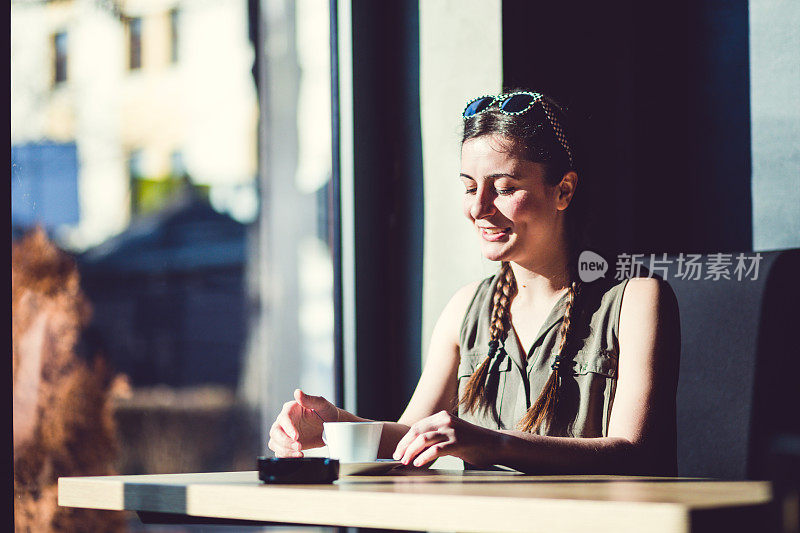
(508, 200)
(493, 234)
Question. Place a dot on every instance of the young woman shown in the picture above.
(531, 368)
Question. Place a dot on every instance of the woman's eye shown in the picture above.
(506, 191)
(470, 190)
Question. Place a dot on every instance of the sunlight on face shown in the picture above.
(508, 201)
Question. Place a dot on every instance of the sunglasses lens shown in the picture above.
(517, 103)
(478, 105)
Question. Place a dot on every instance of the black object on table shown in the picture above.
(298, 469)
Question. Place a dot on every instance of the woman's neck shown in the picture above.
(544, 282)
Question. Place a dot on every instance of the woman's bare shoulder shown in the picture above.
(642, 294)
(463, 296)
(649, 317)
(453, 313)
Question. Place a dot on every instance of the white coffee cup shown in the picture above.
(352, 442)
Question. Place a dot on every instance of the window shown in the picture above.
(174, 19)
(60, 55)
(134, 43)
(176, 165)
(166, 268)
(134, 175)
(135, 164)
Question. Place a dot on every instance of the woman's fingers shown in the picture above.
(439, 421)
(420, 444)
(281, 444)
(280, 438)
(430, 454)
(297, 427)
(301, 425)
(423, 426)
(289, 419)
(400, 450)
(283, 452)
(326, 409)
(283, 448)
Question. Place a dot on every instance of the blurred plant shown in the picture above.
(62, 416)
(153, 194)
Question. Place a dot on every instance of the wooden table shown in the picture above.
(428, 500)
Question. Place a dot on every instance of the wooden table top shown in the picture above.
(440, 500)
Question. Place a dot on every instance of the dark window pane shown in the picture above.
(60, 55)
(134, 43)
(174, 19)
(177, 166)
(135, 164)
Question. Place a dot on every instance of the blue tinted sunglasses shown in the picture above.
(516, 104)
(510, 104)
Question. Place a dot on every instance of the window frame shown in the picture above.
(60, 57)
(134, 42)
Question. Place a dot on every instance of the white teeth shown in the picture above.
(493, 230)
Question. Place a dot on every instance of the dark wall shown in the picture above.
(388, 204)
(659, 96)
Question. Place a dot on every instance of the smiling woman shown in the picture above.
(531, 368)
(508, 199)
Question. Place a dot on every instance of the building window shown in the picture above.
(60, 55)
(174, 20)
(135, 176)
(134, 43)
(135, 164)
(177, 168)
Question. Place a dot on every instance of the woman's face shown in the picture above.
(517, 215)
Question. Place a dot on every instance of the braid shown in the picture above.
(542, 411)
(504, 292)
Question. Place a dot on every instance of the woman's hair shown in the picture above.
(531, 136)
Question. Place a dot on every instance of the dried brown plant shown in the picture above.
(62, 413)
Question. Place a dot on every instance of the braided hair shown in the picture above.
(542, 411)
(531, 136)
(504, 291)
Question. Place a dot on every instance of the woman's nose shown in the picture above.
(482, 204)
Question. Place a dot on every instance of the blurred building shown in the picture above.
(168, 297)
(46, 191)
(146, 93)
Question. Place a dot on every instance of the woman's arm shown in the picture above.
(641, 434)
(297, 428)
(437, 387)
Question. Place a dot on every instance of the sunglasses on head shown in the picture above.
(510, 103)
(515, 104)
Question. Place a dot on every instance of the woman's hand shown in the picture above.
(446, 434)
(297, 427)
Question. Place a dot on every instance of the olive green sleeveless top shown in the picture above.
(588, 377)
